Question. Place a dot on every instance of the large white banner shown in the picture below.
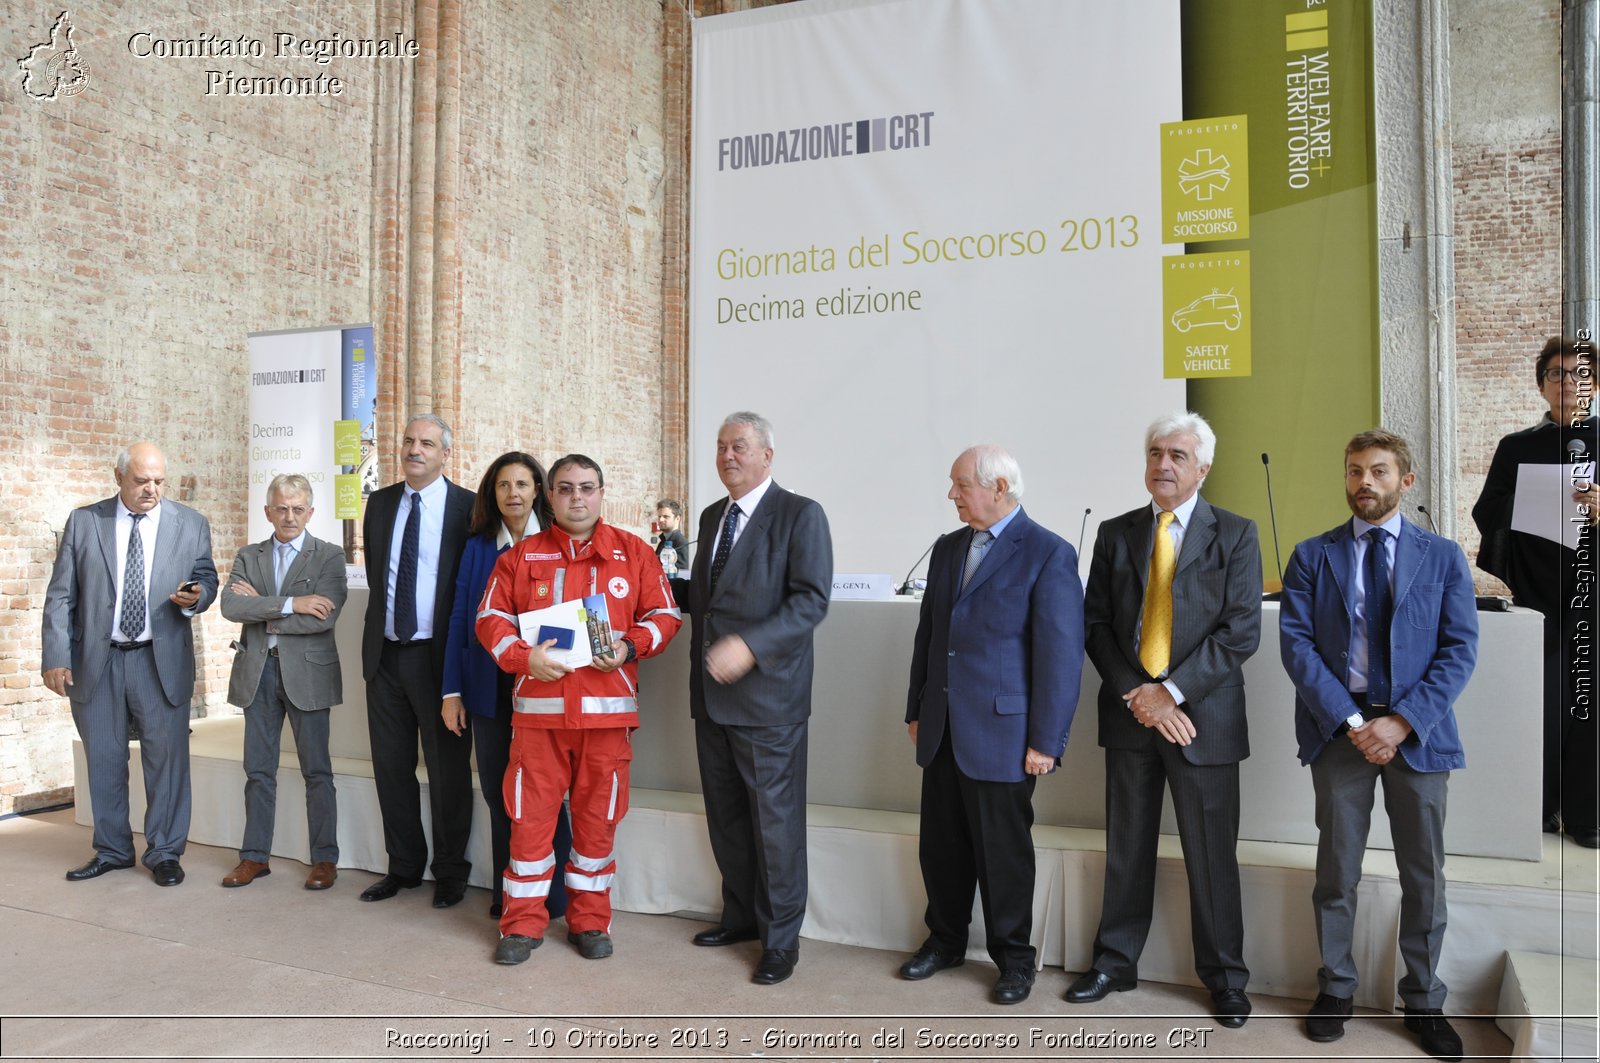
(921, 224)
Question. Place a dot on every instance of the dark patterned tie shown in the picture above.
(133, 593)
(405, 578)
(725, 544)
(1378, 609)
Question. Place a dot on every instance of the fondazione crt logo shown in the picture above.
(54, 67)
(830, 140)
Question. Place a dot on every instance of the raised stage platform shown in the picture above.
(1511, 888)
(866, 889)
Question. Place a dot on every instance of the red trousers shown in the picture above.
(547, 763)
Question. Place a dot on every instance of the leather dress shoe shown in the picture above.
(721, 935)
(496, 908)
(775, 966)
(1093, 985)
(1589, 839)
(928, 962)
(1230, 1007)
(247, 872)
(1439, 1038)
(447, 892)
(167, 873)
(94, 869)
(388, 886)
(323, 874)
(1325, 1021)
(1013, 986)
(1552, 824)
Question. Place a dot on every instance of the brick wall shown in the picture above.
(1506, 125)
(149, 228)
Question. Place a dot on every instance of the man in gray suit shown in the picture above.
(287, 592)
(131, 573)
(1172, 611)
(758, 589)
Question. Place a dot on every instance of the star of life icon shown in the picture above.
(1204, 174)
(55, 67)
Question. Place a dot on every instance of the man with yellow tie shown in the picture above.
(1172, 611)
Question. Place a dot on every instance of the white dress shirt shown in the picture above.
(147, 534)
(429, 539)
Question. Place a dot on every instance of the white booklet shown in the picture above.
(581, 629)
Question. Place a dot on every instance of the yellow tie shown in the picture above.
(1155, 630)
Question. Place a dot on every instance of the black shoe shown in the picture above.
(1013, 987)
(1231, 1007)
(775, 966)
(1552, 824)
(94, 869)
(928, 962)
(1325, 1021)
(448, 892)
(1439, 1038)
(591, 944)
(1588, 838)
(167, 873)
(514, 948)
(388, 886)
(495, 909)
(1093, 985)
(721, 935)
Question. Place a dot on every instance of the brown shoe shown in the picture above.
(247, 872)
(323, 872)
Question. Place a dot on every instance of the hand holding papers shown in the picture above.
(579, 630)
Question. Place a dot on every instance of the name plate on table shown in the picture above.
(863, 587)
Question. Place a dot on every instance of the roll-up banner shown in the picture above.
(312, 411)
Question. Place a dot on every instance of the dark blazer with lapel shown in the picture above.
(773, 593)
(83, 592)
(1433, 641)
(308, 659)
(1216, 626)
(377, 533)
(998, 662)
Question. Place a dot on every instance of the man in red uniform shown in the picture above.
(571, 727)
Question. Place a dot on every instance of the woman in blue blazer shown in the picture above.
(511, 504)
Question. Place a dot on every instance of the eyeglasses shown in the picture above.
(1558, 374)
(283, 511)
(566, 490)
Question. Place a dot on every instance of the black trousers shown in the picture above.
(1205, 799)
(1571, 719)
(977, 835)
(402, 706)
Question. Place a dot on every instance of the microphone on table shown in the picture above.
(1272, 511)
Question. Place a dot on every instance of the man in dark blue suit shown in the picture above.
(414, 532)
(994, 684)
(1379, 632)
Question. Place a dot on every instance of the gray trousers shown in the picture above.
(754, 782)
(131, 687)
(1415, 802)
(263, 733)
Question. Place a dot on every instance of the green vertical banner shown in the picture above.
(1295, 76)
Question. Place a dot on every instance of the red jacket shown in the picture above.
(550, 567)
